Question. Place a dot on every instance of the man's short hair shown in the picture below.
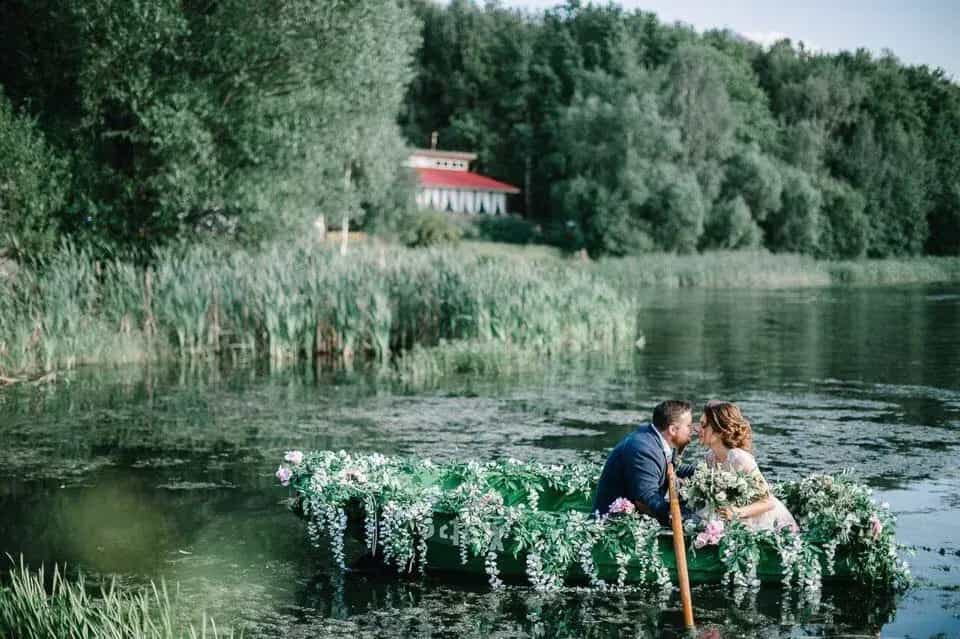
(670, 411)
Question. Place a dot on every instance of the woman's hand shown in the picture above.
(727, 513)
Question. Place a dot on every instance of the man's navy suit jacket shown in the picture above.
(637, 470)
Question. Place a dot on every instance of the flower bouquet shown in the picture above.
(710, 489)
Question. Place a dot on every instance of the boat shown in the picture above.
(512, 521)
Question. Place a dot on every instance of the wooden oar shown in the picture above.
(679, 548)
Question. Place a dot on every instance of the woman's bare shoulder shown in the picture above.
(742, 459)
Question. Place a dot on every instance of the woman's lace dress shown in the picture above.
(740, 460)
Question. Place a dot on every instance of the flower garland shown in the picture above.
(542, 513)
(835, 511)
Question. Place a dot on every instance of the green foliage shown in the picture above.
(846, 228)
(235, 119)
(33, 607)
(755, 178)
(840, 512)
(603, 115)
(511, 229)
(731, 226)
(431, 228)
(32, 186)
(624, 183)
(293, 302)
(509, 511)
(796, 226)
(243, 122)
(478, 307)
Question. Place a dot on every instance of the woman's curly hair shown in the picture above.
(729, 423)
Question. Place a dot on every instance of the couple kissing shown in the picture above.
(636, 469)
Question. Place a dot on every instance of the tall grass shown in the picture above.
(895, 271)
(726, 269)
(30, 610)
(408, 311)
(289, 303)
(760, 269)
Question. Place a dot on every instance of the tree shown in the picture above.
(32, 186)
(623, 179)
(731, 226)
(237, 118)
(795, 227)
(846, 228)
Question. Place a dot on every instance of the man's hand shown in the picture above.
(643, 509)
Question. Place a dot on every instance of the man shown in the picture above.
(637, 467)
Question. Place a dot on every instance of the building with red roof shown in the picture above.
(445, 183)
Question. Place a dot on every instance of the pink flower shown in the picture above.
(711, 536)
(284, 475)
(295, 457)
(876, 526)
(621, 505)
(715, 528)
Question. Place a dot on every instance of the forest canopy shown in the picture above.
(126, 126)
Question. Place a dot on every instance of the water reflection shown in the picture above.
(389, 608)
(167, 472)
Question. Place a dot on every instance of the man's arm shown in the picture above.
(645, 482)
(686, 470)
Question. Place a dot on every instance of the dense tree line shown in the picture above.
(138, 123)
(629, 135)
(133, 124)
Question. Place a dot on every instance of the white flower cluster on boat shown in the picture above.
(491, 510)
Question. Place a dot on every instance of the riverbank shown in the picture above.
(416, 314)
(749, 269)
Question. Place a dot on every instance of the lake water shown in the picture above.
(149, 473)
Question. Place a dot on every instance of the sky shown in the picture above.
(918, 32)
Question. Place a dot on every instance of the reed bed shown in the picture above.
(761, 269)
(721, 269)
(31, 610)
(414, 313)
(303, 302)
(896, 271)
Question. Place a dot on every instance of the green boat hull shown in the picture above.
(703, 565)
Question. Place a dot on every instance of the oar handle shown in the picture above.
(679, 547)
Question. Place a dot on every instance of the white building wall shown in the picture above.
(499, 203)
(462, 201)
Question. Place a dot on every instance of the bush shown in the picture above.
(431, 228)
(566, 235)
(509, 229)
(32, 188)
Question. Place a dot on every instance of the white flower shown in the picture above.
(352, 475)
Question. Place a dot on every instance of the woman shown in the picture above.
(728, 436)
